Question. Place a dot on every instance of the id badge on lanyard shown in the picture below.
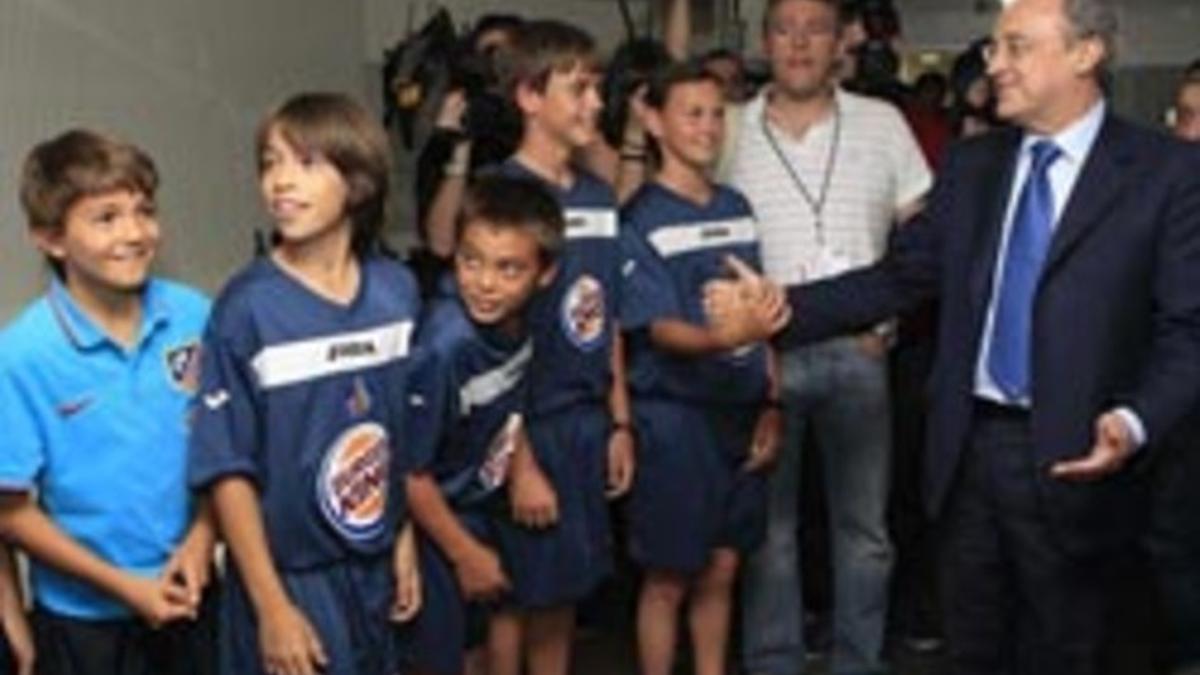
(830, 262)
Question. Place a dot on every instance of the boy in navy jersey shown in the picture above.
(706, 412)
(577, 418)
(465, 396)
(297, 429)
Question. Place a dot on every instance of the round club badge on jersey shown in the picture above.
(352, 484)
(183, 366)
(583, 312)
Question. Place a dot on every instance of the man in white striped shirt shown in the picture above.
(828, 173)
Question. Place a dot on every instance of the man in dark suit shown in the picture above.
(1066, 253)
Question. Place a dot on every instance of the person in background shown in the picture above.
(973, 103)
(729, 68)
(925, 110)
(1186, 111)
(475, 127)
(829, 175)
(1173, 539)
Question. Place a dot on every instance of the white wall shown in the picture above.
(188, 82)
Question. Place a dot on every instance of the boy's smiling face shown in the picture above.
(107, 242)
(304, 192)
(691, 124)
(498, 269)
(567, 108)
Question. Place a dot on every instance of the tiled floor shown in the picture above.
(602, 654)
(611, 652)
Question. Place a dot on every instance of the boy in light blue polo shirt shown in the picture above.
(96, 378)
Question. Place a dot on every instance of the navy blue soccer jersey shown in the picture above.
(673, 247)
(304, 397)
(572, 321)
(467, 383)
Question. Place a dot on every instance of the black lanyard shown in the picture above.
(816, 203)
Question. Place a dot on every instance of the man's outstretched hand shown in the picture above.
(746, 308)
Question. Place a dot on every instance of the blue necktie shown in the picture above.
(1009, 359)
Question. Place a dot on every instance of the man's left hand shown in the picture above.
(1113, 447)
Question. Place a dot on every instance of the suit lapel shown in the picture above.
(1099, 186)
(996, 176)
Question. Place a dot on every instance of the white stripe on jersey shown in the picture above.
(491, 384)
(679, 239)
(593, 222)
(304, 360)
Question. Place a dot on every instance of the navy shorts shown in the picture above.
(70, 646)
(562, 564)
(447, 625)
(348, 604)
(690, 494)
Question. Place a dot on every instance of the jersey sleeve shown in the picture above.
(647, 291)
(226, 436)
(427, 407)
(22, 452)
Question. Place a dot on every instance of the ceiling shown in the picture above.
(959, 4)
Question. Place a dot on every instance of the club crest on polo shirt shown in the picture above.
(352, 485)
(583, 312)
(183, 366)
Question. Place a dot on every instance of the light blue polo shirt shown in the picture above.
(100, 432)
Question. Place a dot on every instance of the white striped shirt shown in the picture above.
(878, 171)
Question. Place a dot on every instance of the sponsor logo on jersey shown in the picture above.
(183, 367)
(349, 350)
(589, 223)
(673, 240)
(716, 232)
(583, 312)
(352, 485)
(288, 363)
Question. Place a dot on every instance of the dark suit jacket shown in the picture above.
(1116, 315)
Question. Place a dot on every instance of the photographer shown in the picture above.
(474, 127)
(621, 154)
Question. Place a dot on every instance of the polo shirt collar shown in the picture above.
(85, 334)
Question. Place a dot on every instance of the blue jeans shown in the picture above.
(842, 391)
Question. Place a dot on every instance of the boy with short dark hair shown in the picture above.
(467, 391)
(96, 378)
